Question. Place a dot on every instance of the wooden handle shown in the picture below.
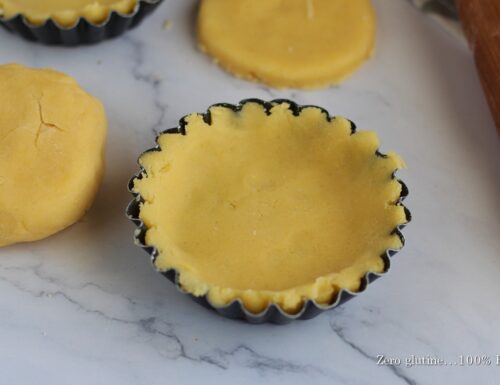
(481, 20)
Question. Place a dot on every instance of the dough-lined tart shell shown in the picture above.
(75, 22)
(269, 211)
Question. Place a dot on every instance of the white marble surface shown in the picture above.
(85, 306)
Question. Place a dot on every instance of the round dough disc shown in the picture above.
(52, 136)
(288, 43)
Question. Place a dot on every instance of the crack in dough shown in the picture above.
(44, 125)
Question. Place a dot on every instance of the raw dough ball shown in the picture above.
(52, 136)
(288, 43)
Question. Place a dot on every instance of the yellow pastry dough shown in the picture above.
(65, 12)
(288, 43)
(52, 136)
(269, 208)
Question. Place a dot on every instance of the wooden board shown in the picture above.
(481, 19)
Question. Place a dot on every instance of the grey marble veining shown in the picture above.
(85, 306)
